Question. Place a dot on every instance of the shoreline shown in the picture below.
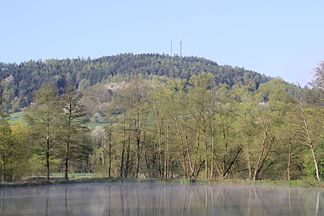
(58, 181)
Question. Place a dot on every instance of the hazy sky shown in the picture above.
(277, 37)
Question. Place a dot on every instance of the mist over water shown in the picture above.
(160, 199)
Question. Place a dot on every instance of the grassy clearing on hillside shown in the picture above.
(14, 117)
(92, 125)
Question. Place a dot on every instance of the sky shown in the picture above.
(280, 38)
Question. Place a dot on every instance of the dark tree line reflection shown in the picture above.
(160, 199)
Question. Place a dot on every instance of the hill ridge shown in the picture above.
(20, 81)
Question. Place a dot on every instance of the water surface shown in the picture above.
(160, 199)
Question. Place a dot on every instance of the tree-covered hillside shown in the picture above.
(156, 116)
(160, 127)
(20, 81)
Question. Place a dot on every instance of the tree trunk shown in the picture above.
(191, 166)
(167, 153)
(315, 163)
(212, 136)
(289, 161)
(260, 159)
(3, 169)
(309, 139)
(138, 142)
(110, 155)
(121, 174)
(127, 165)
(186, 150)
(206, 159)
(48, 158)
(249, 164)
(138, 132)
(67, 150)
(67, 161)
(212, 150)
(206, 151)
(229, 168)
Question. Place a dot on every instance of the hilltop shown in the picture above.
(20, 81)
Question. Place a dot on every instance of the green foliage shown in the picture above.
(190, 127)
(20, 82)
(35, 165)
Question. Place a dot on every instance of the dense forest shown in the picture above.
(20, 81)
(164, 117)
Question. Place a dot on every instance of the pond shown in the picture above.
(160, 199)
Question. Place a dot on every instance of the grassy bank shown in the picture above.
(54, 181)
(293, 183)
(91, 178)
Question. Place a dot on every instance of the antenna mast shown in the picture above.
(180, 48)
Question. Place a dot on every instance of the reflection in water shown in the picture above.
(46, 202)
(289, 202)
(66, 199)
(317, 203)
(2, 203)
(160, 199)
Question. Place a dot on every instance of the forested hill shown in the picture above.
(19, 81)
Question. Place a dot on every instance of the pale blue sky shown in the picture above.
(277, 37)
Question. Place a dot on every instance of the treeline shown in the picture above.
(20, 81)
(51, 136)
(173, 128)
(167, 128)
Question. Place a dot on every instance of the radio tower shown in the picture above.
(171, 48)
(180, 48)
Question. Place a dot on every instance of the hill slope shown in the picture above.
(19, 81)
